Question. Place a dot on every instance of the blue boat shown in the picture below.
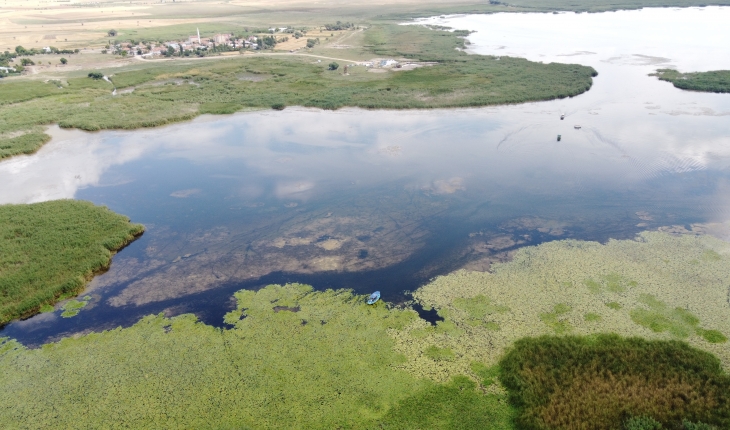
(374, 297)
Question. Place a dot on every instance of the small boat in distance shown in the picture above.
(577, 127)
(559, 137)
(374, 297)
(562, 116)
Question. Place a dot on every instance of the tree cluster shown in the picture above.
(339, 25)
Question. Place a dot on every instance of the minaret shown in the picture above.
(198, 36)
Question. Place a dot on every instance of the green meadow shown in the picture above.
(716, 81)
(525, 347)
(49, 251)
(165, 92)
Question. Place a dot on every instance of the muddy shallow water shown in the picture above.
(387, 200)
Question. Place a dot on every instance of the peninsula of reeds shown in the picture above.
(50, 250)
(716, 81)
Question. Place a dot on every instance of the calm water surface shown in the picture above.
(387, 200)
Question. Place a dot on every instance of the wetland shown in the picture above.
(492, 243)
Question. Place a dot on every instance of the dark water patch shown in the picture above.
(432, 316)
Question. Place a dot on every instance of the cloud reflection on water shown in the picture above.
(306, 191)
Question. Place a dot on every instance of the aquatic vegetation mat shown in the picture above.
(716, 81)
(657, 286)
(601, 381)
(290, 357)
(50, 250)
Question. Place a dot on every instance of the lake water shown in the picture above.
(380, 200)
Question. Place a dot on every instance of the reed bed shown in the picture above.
(602, 381)
(716, 81)
(182, 90)
(51, 250)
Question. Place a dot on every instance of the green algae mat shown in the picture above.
(296, 358)
(50, 250)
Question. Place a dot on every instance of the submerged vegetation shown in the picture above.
(49, 251)
(717, 81)
(567, 382)
(168, 93)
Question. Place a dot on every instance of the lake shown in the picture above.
(383, 200)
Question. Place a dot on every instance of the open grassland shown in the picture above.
(293, 358)
(602, 381)
(174, 91)
(657, 287)
(50, 250)
(717, 81)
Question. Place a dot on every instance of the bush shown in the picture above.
(278, 106)
(27, 62)
(333, 66)
(96, 75)
(64, 61)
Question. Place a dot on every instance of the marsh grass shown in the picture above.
(182, 90)
(679, 322)
(26, 143)
(266, 370)
(592, 317)
(455, 405)
(487, 375)
(717, 81)
(439, 354)
(73, 307)
(543, 288)
(554, 321)
(50, 250)
(568, 381)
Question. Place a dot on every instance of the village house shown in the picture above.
(222, 38)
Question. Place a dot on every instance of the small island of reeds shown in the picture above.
(717, 81)
(49, 251)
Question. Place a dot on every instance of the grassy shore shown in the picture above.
(49, 251)
(165, 92)
(717, 81)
